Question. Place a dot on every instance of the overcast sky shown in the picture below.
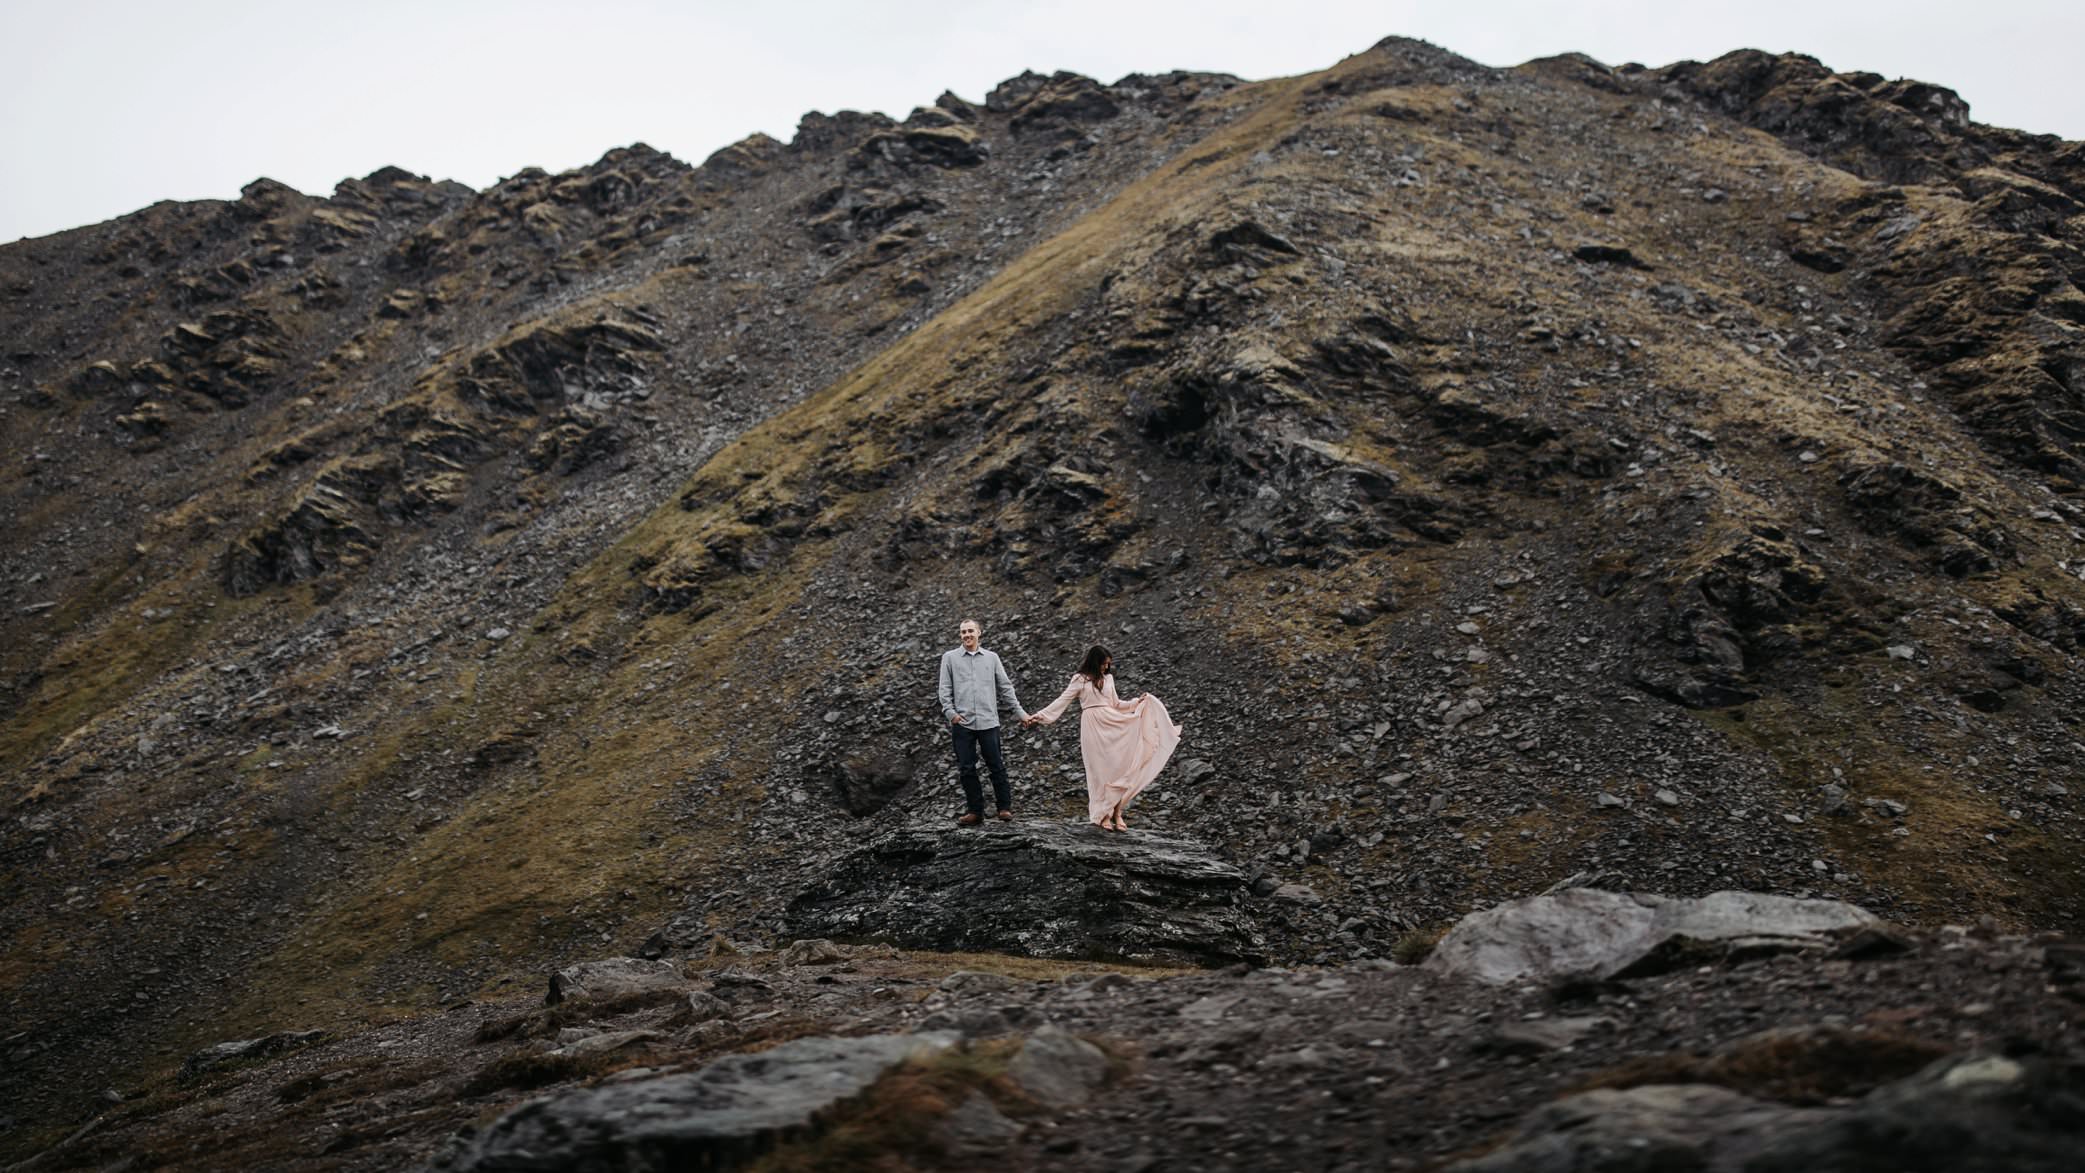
(107, 106)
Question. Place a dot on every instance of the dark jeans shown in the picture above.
(968, 742)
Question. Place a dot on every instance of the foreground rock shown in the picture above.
(1057, 1067)
(1961, 1113)
(615, 977)
(714, 1118)
(1585, 932)
(1369, 1066)
(1052, 890)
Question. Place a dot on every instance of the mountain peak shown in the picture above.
(1665, 479)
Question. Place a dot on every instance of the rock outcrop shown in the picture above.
(716, 1118)
(248, 1050)
(1038, 889)
(1954, 1050)
(1977, 1113)
(616, 977)
(1585, 933)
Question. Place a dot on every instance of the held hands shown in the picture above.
(1026, 722)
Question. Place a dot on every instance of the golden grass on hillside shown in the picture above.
(1944, 855)
(607, 756)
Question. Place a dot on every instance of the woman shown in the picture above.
(1125, 743)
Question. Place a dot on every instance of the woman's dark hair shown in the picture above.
(1095, 657)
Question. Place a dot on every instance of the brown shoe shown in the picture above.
(1006, 816)
(971, 820)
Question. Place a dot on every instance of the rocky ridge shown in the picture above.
(1663, 478)
(1036, 889)
(1948, 1050)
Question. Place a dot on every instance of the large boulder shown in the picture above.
(717, 1118)
(1964, 1113)
(242, 1050)
(613, 977)
(1586, 932)
(866, 782)
(1058, 1068)
(1037, 889)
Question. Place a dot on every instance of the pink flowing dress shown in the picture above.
(1125, 743)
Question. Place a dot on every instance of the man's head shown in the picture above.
(969, 631)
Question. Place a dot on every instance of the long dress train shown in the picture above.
(1125, 743)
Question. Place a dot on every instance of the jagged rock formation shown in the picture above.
(1036, 889)
(1665, 477)
(1955, 1050)
(716, 1118)
(1974, 1112)
(1589, 935)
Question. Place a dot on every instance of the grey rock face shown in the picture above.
(704, 1007)
(967, 981)
(714, 1118)
(1589, 932)
(613, 978)
(1540, 1035)
(865, 783)
(606, 1041)
(1058, 1068)
(1297, 894)
(212, 1057)
(1644, 1128)
(970, 1022)
(1039, 890)
(1970, 1113)
(976, 1127)
(814, 951)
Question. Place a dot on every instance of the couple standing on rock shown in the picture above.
(1125, 743)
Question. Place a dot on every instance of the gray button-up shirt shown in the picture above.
(973, 684)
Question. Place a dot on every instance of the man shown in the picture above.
(973, 682)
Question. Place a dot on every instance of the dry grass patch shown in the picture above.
(549, 1020)
(891, 1126)
(766, 1036)
(530, 1069)
(1794, 1067)
(109, 653)
(1418, 944)
(1944, 863)
(359, 1079)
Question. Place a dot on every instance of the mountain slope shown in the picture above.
(1503, 474)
